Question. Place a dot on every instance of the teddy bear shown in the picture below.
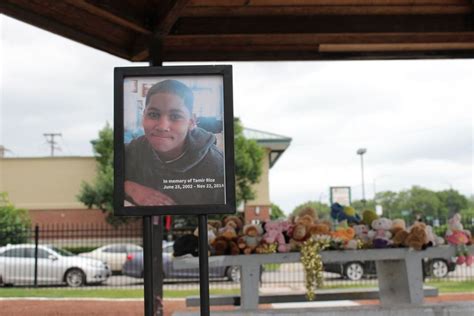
(417, 237)
(274, 234)
(459, 237)
(320, 227)
(306, 211)
(380, 233)
(399, 239)
(433, 239)
(299, 231)
(362, 234)
(249, 241)
(225, 242)
(223, 245)
(398, 224)
(341, 213)
(298, 236)
(232, 226)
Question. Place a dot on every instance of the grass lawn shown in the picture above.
(102, 293)
(443, 287)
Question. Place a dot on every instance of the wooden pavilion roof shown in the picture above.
(258, 30)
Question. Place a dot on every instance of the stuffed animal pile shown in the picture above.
(347, 230)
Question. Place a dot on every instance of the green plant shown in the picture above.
(14, 222)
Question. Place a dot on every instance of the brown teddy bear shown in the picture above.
(232, 226)
(225, 242)
(399, 232)
(417, 237)
(252, 235)
(398, 224)
(400, 237)
(320, 228)
(298, 238)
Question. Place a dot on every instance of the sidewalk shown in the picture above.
(84, 307)
(180, 306)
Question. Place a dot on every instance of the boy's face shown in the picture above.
(166, 122)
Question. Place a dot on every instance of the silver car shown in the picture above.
(114, 255)
(134, 267)
(55, 266)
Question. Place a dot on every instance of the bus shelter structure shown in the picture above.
(254, 30)
(259, 30)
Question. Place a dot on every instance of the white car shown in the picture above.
(115, 255)
(55, 266)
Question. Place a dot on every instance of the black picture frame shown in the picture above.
(120, 75)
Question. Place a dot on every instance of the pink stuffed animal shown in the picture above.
(274, 234)
(458, 236)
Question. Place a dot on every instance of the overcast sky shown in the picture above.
(414, 117)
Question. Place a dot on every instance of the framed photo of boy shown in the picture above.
(173, 141)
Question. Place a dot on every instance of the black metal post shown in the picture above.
(203, 266)
(157, 254)
(155, 273)
(36, 254)
(148, 264)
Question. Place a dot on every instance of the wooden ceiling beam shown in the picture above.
(114, 11)
(399, 47)
(311, 54)
(242, 40)
(290, 43)
(323, 24)
(168, 12)
(250, 3)
(225, 11)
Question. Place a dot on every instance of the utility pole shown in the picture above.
(3, 151)
(361, 152)
(52, 142)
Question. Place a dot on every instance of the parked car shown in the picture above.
(356, 270)
(114, 255)
(134, 267)
(55, 266)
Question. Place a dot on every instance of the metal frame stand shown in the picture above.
(153, 240)
(203, 266)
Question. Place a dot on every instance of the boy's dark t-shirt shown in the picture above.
(195, 178)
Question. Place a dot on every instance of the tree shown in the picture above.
(14, 222)
(322, 209)
(423, 202)
(248, 164)
(100, 193)
(276, 212)
(452, 202)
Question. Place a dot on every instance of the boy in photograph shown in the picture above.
(175, 162)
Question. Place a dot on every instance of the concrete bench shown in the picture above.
(399, 271)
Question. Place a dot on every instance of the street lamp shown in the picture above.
(361, 152)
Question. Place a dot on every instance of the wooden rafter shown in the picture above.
(114, 11)
(168, 12)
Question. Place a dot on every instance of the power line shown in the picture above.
(52, 142)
